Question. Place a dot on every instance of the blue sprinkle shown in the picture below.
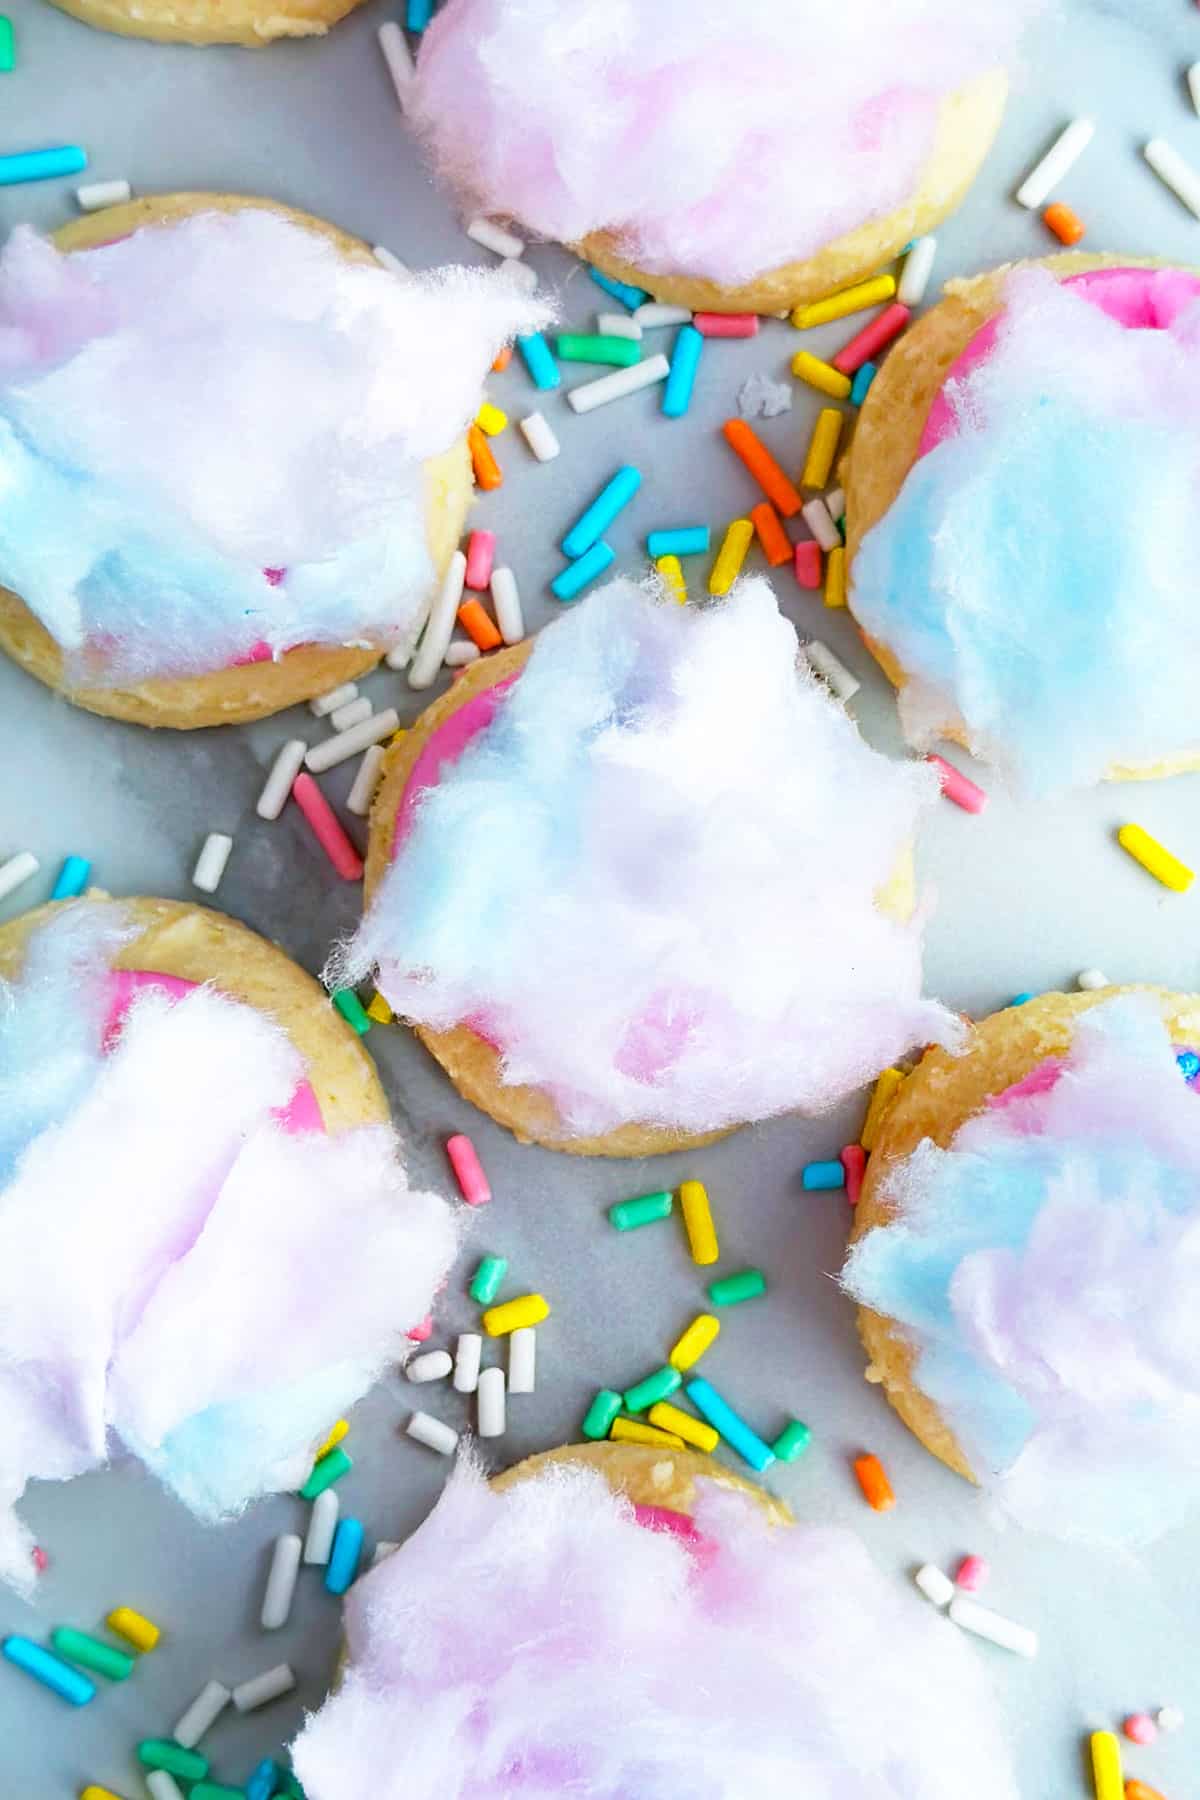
(684, 540)
(592, 524)
(737, 1434)
(820, 1176)
(418, 14)
(47, 1668)
(685, 360)
(265, 1780)
(73, 877)
(573, 579)
(42, 165)
(344, 1556)
(861, 385)
(1189, 1064)
(539, 360)
(1021, 999)
(631, 297)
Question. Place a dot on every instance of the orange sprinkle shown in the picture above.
(1138, 1790)
(777, 545)
(488, 473)
(1066, 225)
(502, 361)
(872, 1479)
(478, 626)
(762, 465)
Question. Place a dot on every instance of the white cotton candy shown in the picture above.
(212, 436)
(652, 880)
(541, 1643)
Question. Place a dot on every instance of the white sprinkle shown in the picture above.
(831, 669)
(993, 1626)
(835, 501)
(382, 1549)
(16, 871)
(935, 1585)
(523, 273)
(432, 1433)
(322, 1523)
(1169, 1718)
(439, 626)
(618, 325)
(401, 656)
(96, 195)
(398, 57)
(522, 1360)
(353, 713)
(506, 601)
(489, 1403)
(324, 704)
(1088, 980)
(288, 763)
(361, 794)
(205, 1709)
(248, 1696)
(761, 398)
(459, 653)
(539, 437)
(433, 1365)
(386, 260)
(494, 237)
(210, 864)
(591, 394)
(162, 1785)
(348, 743)
(652, 313)
(817, 517)
(1179, 175)
(1063, 153)
(281, 1582)
(1193, 81)
(918, 267)
(467, 1354)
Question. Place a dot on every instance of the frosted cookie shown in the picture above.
(1021, 527)
(233, 453)
(208, 1245)
(674, 148)
(211, 21)
(1025, 1253)
(612, 1621)
(644, 882)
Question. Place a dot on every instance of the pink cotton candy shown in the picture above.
(541, 1643)
(714, 140)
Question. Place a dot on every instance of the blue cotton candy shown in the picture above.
(1045, 1268)
(1036, 576)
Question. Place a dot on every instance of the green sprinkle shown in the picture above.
(164, 1753)
(627, 1215)
(8, 54)
(601, 1413)
(332, 1466)
(731, 1289)
(351, 1009)
(619, 350)
(92, 1653)
(792, 1441)
(292, 1787)
(212, 1790)
(654, 1388)
(485, 1283)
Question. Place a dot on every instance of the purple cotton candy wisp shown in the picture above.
(540, 1643)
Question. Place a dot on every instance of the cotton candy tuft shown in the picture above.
(179, 1276)
(1036, 575)
(1045, 1268)
(212, 436)
(540, 1642)
(688, 128)
(651, 881)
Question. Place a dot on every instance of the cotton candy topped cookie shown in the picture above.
(1021, 520)
(248, 22)
(613, 1621)
(231, 453)
(208, 1246)
(1027, 1254)
(644, 882)
(727, 158)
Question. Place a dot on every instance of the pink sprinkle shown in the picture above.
(973, 1573)
(326, 828)
(41, 1561)
(1140, 1728)
(677, 1524)
(468, 1170)
(417, 1334)
(872, 338)
(854, 1160)
(481, 554)
(808, 563)
(275, 576)
(260, 652)
(726, 325)
(957, 787)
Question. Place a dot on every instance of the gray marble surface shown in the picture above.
(1025, 899)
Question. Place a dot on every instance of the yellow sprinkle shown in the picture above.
(671, 570)
(698, 1222)
(380, 1011)
(1155, 858)
(136, 1630)
(822, 448)
(339, 1431)
(98, 1793)
(835, 577)
(632, 1431)
(692, 1431)
(821, 375)
(850, 300)
(700, 1336)
(731, 556)
(398, 737)
(1106, 1766)
(491, 419)
(885, 1092)
(530, 1309)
